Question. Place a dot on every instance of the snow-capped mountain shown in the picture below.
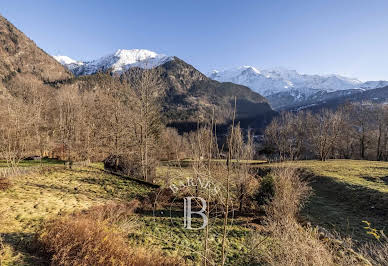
(68, 62)
(286, 87)
(119, 61)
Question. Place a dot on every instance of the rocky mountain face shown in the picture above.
(23, 64)
(286, 88)
(194, 95)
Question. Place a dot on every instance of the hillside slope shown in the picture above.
(345, 193)
(188, 96)
(22, 63)
(187, 87)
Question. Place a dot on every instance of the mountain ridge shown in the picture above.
(119, 61)
(288, 87)
(377, 96)
(189, 94)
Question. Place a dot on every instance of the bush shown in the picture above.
(290, 192)
(130, 166)
(266, 190)
(90, 238)
(112, 213)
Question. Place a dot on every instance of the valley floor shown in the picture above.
(346, 193)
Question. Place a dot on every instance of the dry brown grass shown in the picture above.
(290, 194)
(292, 244)
(376, 252)
(5, 183)
(111, 212)
(92, 238)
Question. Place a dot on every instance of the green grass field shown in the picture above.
(190, 243)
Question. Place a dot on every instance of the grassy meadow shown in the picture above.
(345, 193)
(39, 196)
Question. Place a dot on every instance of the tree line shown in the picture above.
(120, 117)
(123, 117)
(353, 131)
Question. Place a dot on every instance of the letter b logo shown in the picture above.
(188, 212)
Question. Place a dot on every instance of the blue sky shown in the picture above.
(348, 37)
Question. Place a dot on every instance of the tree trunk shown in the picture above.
(378, 155)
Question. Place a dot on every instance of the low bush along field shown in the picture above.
(346, 193)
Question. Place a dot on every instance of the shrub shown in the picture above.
(128, 165)
(290, 192)
(266, 190)
(90, 238)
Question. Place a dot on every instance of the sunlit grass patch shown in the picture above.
(38, 196)
(370, 174)
(169, 234)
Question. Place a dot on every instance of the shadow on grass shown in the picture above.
(342, 207)
(26, 244)
(385, 179)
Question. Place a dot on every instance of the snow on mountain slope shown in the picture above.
(119, 61)
(65, 60)
(374, 84)
(285, 87)
(268, 82)
(68, 62)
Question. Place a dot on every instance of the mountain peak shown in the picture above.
(250, 69)
(63, 59)
(68, 62)
(118, 61)
(135, 53)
